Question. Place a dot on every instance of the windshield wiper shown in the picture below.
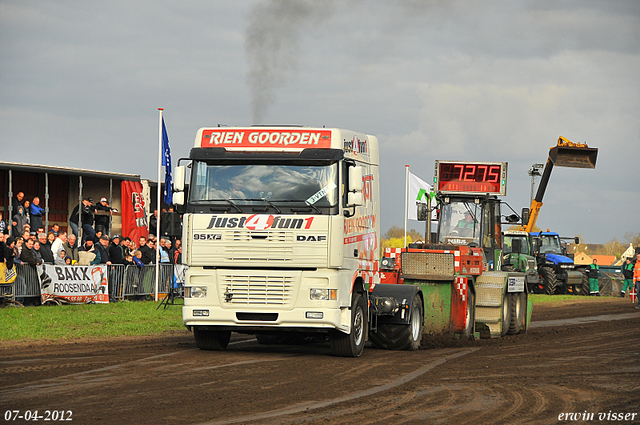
(302, 202)
(233, 204)
(267, 201)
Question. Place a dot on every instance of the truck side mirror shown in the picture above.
(178, 198)
(577, 240)
(525, 216)
(356, 183)
(423, 214)
(355, 199)
(179, 174)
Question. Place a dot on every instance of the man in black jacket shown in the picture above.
(45, 249)
(101, 247)
(148, 253)
(115, 251)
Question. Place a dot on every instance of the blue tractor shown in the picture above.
(557, 271)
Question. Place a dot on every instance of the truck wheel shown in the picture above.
(548, 276)
(471, 315)
(506, 312)
(211, 340)
(351, 344)
(394, 336)
(518, 307)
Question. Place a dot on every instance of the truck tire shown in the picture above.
(211, 340)
(471, 315)
(351, 344)
(395, 336)
(548, 276)
(506, 312)
(518, 308)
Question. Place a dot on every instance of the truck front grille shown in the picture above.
(256, 290)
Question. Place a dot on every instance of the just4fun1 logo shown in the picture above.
(259, 222)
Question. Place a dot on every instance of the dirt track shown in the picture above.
(555, 368)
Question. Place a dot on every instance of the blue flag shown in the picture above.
(166, 162)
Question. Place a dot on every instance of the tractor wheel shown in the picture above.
(351, 344)
(506, 312)
(394, 336)
(586, 288)
(470, 320)
(211, 340)
(518, 308)
(548, 276)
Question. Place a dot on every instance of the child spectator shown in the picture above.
(19, 221)
(61, 257)
(137, 258)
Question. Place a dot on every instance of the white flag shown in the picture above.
(419, 191)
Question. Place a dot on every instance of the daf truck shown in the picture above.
(281, 234)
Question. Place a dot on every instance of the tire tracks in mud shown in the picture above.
(313, 405)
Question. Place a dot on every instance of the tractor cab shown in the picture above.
(472, 221)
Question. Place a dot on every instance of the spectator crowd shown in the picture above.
(27, 242)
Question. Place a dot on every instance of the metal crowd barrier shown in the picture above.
(27, 282)
(124, 281)
(141, 281)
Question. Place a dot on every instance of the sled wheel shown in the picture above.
(399, 336)
(518, 308)
(506, 312)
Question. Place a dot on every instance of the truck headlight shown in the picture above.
(195, 291)
(323, 294)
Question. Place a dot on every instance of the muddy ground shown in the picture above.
(579, 357)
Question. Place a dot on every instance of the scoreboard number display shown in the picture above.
(471, 177)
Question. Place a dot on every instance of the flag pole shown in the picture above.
(159, 200)
(406, 200)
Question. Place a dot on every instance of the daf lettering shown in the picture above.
(311, 238)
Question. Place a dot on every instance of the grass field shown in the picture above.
(121, 319)
(88, 321)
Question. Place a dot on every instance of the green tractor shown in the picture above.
(517, 256)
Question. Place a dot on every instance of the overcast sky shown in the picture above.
(80, 84)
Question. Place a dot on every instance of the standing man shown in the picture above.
(627, 273)
(45, 249)
(71, 248)
(36, 213)
(103, 216)
(636, 279)
(56, 246)
(593, 271)
(101, 247)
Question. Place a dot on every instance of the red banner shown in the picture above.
(134, 220)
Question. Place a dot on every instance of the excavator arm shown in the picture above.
(564, 154)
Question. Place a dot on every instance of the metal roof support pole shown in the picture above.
(110, 205)
(80, 231)
(46, 202)
(10, 219)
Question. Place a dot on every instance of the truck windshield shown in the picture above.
(460, 223)
(550, 244)
(314, 186)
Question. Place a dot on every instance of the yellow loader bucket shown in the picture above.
(573, 156)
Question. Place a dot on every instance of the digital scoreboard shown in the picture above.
(471, 177)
